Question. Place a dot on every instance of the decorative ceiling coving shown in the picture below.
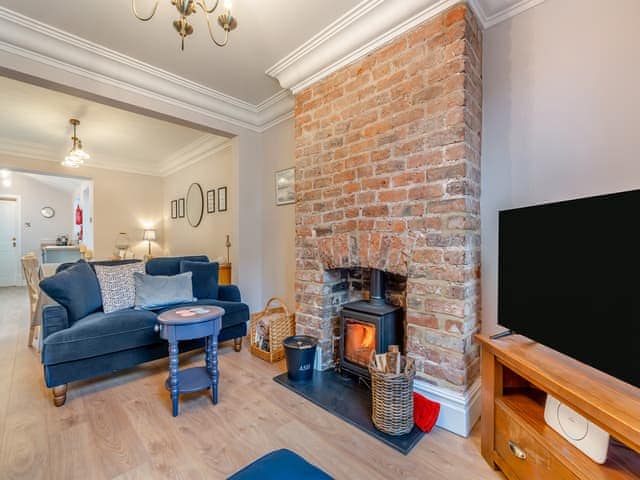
(245, 84)
(35, 124)
(369, 25)
(267, 31)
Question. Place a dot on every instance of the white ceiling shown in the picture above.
(303, 40)
(35, 122)
(267, 31)
(65, 184)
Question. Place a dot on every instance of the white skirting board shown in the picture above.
(458, 411)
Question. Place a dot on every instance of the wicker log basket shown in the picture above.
(392, 397)
(281, 325)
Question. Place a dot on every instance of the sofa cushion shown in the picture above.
(154, 291)
(234, 312)
(99, 334)
(117, 286)
(64, 266)
(75, 288)
(204, 279)
(171, 265)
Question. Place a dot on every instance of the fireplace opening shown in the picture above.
(359, 341)
(371, 324)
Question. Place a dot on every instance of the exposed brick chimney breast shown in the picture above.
(388, 176)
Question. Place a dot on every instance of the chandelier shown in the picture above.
(77, 155)
(186, 8)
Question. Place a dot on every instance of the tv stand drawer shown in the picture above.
(522, 453)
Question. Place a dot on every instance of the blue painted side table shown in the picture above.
(187, 323)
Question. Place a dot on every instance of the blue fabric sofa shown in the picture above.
(97, 343)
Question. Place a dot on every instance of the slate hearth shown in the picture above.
(349, 400)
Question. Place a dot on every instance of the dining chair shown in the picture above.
(31, 269)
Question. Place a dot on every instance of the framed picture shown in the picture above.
(174, 209)
(285, 186)
(181, 208)
(222, 199)
(211, 201)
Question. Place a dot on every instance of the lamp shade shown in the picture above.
(149, 235)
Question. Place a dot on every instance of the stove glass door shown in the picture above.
(359, 341)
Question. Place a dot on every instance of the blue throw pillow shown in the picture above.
(155, 291)
(205, 278)
(75, 288)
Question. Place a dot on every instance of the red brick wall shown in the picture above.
(388, 176)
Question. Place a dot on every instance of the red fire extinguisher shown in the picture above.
(79, 221)
(78, 215)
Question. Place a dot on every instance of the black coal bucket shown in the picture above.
(300, 351)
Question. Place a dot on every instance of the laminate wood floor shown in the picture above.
(120, 426)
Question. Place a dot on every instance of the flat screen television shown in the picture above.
(569, 278)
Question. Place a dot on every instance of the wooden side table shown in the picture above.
(224, 274)
(187, 323)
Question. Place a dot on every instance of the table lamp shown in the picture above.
(122, 245)
(149, 236)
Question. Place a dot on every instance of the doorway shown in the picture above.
(10, 247)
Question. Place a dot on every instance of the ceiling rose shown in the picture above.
(188, 7)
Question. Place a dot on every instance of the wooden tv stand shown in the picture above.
(517, 373)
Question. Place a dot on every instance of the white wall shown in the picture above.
(278, 223)
(34, 195)
(123, 202)
(561, 113)
(210, 236)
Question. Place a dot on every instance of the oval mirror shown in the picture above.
(47, 212)
(195, 204)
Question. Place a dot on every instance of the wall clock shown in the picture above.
(47, 212)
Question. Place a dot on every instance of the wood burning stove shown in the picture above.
(367, 326)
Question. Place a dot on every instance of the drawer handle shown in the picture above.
(517, 451)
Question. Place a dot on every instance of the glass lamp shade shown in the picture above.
(77, 155)
(149, 235)
(72, 161)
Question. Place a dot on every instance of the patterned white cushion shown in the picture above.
(117, 286)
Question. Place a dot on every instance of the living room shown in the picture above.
(354, 166)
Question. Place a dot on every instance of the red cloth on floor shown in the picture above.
(425, 412)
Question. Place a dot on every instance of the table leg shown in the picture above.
(209, 357)
(207, 353)
(173, 375)
(213, 369)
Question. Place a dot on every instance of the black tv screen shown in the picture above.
(569, 278)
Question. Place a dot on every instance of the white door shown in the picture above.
(9, 248)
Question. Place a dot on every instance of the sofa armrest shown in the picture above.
(229, 293)
(54, 319)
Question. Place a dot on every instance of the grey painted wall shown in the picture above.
(561, 113)
(278, 222)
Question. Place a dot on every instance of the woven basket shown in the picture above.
(392, 398)
(281, 325)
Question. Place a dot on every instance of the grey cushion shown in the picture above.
(117, 286)
(153, 291)
(100, 334)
